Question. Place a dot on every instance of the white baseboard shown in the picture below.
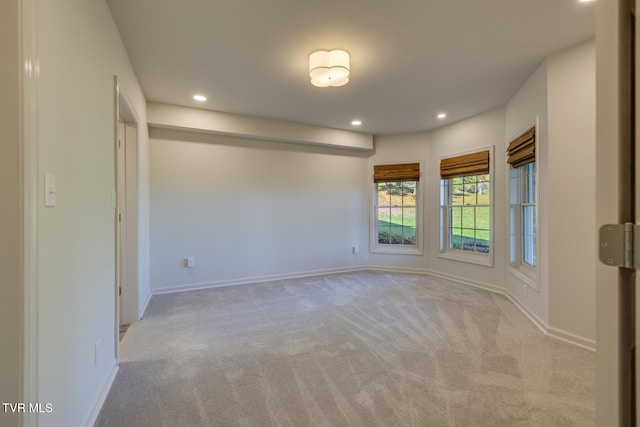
(250, 280)
(144, 306)
(453, 278)
(570, 338)
(95, 411)
(531, 315)
(384, 268)
(550, 331)
(540, 324)
(553, 332)
(469, 282)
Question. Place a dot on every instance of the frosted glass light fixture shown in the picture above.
(329, 68)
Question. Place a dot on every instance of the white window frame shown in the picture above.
(400, 249)
(517, 186)
(478, 258)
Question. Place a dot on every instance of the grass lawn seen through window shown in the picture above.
(396, 213)
(469, 214)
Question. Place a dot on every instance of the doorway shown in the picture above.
(126, 198)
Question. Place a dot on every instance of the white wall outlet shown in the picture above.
(355, 250)
(49, 190)
(190, 262)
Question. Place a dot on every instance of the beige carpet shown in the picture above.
(356, 349)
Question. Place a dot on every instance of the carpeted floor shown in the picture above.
(355, 349)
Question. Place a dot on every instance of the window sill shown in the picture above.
(527, 275)
(396, 249)
(477, 259)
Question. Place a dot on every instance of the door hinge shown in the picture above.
(119, 291)
(619, 246)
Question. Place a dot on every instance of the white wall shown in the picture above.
(227, 202)
(572, 203)
(477, 132)
(561, 95)
(248, 210)
(484, 130)
(10, 212)
(80, 51)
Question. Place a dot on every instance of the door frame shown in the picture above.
(614, 205)
(29, 92)
(126, 241)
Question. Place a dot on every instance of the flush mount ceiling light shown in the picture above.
(200, 98)
(442, 115)
(329, 68)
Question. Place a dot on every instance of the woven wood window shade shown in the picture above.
(396, 173)
(465, 165)
(522, 150)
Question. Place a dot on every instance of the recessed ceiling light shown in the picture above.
(442, 115)
(585, 1)
(356, 122)
(200, 98)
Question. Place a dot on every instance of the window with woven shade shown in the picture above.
(465, 205)
(522, 150)
(465, 165)
(396, 208)
(523, 226)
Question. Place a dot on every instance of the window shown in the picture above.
(396, 212)
(465, 208)
(396, 208)
(529, 219)
(523, 203)
(523, 215)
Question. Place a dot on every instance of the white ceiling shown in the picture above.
(410, 59)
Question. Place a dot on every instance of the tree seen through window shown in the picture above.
(396, 212)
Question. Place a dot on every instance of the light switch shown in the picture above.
(49, 190)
